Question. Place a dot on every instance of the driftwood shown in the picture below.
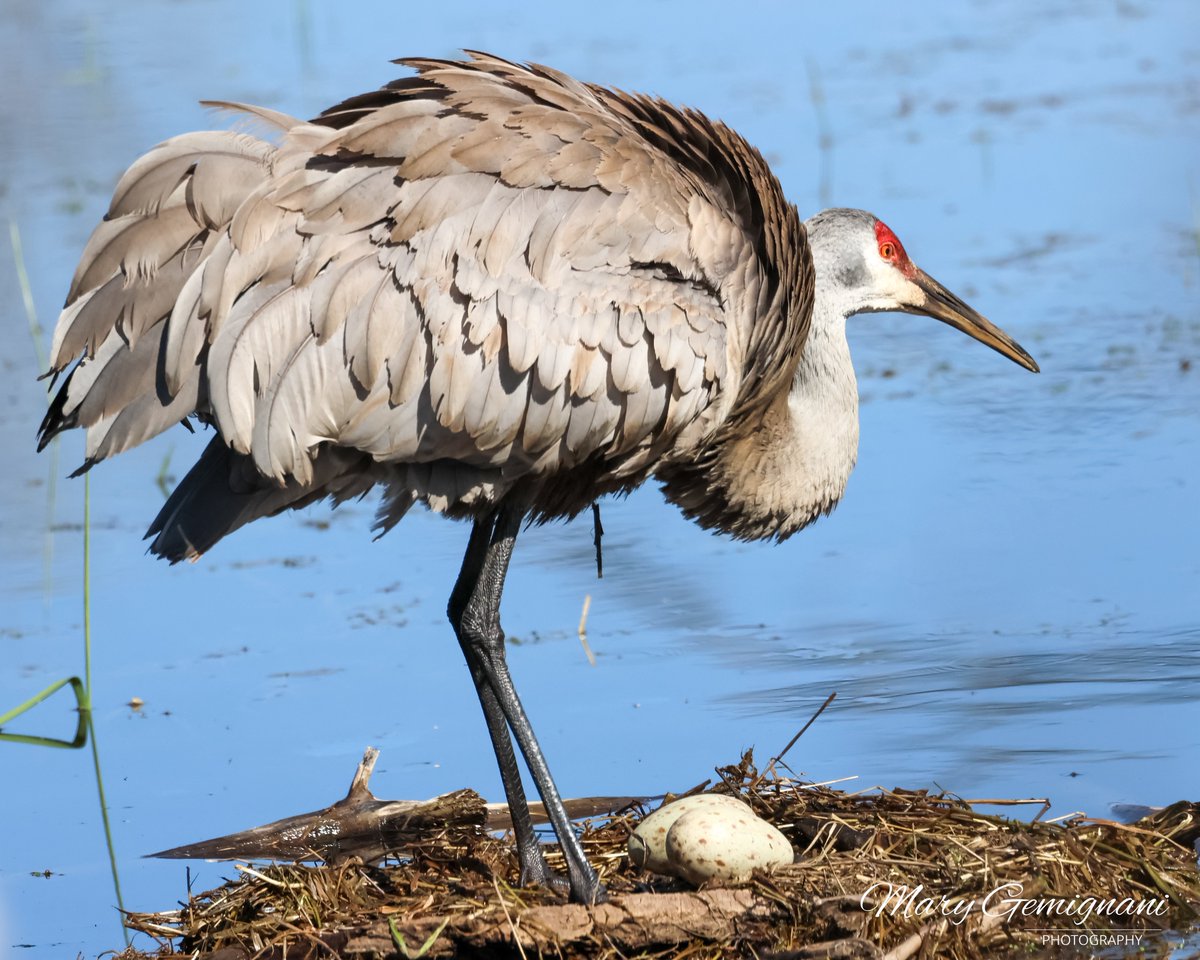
(637, 921)
(627, 924)
(363, 826)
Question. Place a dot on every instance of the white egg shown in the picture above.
(648, 844)
(724, 844)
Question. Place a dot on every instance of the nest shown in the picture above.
(878, 874)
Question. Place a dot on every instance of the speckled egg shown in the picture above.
(722, 843)
(648, 843)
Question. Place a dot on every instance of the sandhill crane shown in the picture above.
(494, 290)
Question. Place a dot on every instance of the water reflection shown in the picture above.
(967, 676)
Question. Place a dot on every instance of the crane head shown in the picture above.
(868, 267)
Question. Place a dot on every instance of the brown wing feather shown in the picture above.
(483, 277)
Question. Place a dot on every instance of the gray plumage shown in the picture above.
(490, 279)
(496, 290)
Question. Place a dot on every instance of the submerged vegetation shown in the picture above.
(878, 873)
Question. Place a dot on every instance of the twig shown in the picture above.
(910, 946)
(905, 949)
(1044, 801)
(35, 326)
(508, 916)
(587, 649)
(1001, 802)
(824, 134)
(826, 783)
(246, 868)
(791, 743)
(362, 776)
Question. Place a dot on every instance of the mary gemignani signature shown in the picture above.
(1005, 901)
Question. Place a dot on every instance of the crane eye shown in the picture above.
(887, 250)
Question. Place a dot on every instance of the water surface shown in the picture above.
(1005, 602)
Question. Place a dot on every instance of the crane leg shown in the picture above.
(533, 865)
(474, 612)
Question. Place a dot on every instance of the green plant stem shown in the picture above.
(87, 682)
(36, 334)
(48, 540)
(87, 588)
(82, 689)
(80, 730)
(112, 852)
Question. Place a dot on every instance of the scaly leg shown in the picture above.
(529, 851)
(475, 614)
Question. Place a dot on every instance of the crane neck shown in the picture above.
(819, 445)
(822, 412)
(792, 465)
(789, 465)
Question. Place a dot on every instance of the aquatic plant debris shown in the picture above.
(879, 873)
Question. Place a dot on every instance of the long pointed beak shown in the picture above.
(942, 305)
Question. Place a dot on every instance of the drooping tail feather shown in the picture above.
(224, 491)
(168, 212)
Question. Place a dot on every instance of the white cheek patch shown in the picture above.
(912, 294)
(889, 289)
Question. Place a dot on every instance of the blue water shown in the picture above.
(1005, 602)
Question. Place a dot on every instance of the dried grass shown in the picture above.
(457, 895)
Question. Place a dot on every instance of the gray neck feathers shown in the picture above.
(823, 412)
(823, 403)
(792, 465)
(813, 450)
